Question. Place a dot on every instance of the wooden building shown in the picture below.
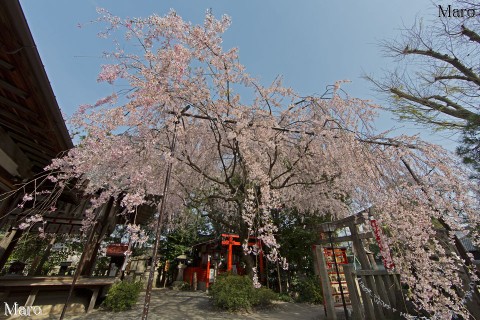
(32, 130)
(32, 133)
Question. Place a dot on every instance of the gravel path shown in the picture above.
(172, 305)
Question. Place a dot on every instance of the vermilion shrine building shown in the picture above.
(217, 256)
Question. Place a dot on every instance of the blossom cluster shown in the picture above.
(238, 160)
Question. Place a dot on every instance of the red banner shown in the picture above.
(384, 250)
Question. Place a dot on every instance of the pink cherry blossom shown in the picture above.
(270, 149)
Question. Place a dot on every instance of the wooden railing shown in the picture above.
(375, 294)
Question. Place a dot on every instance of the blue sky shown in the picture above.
(311, 43)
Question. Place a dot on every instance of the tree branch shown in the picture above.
(453, 61)
(472, 35)
(451, 108)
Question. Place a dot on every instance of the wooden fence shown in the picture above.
(375, 294)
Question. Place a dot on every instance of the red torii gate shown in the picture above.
(230, 242)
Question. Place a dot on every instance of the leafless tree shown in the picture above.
(436, 82)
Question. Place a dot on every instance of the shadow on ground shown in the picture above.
(178, 305)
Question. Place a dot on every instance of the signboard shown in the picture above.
(211, 278)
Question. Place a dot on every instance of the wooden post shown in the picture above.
(31, 298)
(367, 301)
(279, 279)
(358, 247)
(93, 299)
(390, 288)
(37, 270)
(165, 273)
(353, 292)
(91, 249)
(321, 267)
(371, 284)
(400, 299)
(195, 281)
(266, 273)
(77, 271)
(379, 280)
(5, 206)
(7, 244)
(373, 263)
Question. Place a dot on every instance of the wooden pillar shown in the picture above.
(399, 297)
(93, 299)
(91, 248)
(373, 263)
(371, 283)
(358, 247)
(367, 301)
(195, 281)
(353, 292)
(31, 298)
(279, 276)
(321, 269)
(7, 244)
(266, 273)
(379, 280)
(5, 206)
(390, 288)
(36, 268)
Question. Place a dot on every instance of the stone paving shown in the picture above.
(172, 305)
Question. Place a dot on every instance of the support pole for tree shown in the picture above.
(158, 229)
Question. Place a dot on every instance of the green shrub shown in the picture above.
(232, 292)
(123, 295)
(284, 297)
(309, 290)
(264, 297)
(236, 293)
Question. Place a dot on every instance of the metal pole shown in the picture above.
(158, 229)
(338, 275)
